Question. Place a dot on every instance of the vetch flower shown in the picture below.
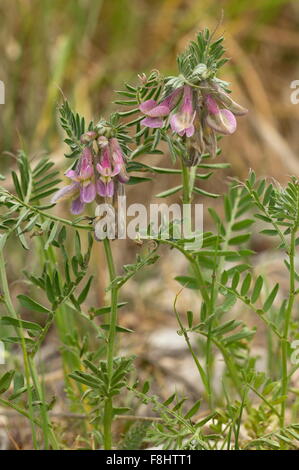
(182, 121)
(111, 165)
(229, 103)
(118, 160)
(83, 188)
(156, 112)
(222, 120)
(88, 137)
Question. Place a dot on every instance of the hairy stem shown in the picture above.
(288, 316)
(108, 407)
(29, 368)
(188, 175)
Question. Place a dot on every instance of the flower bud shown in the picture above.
(88, 137)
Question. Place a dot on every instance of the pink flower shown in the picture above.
(182, 121)
(222, 120)
(226, 100)
(111, 165)
(83, 188)
(118, 160)
(155, 112)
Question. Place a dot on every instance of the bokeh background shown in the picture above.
(86, 49)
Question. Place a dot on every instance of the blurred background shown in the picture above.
(86, 49)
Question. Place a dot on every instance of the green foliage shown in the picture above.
(74, 126)
(202, 58)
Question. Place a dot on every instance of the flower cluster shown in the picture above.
(97, 172)
(195, 112)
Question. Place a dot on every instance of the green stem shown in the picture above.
(18, 409)
(29, 367)
(108, 408)
(188, 177)
(53, 217)
(288, 316)
(217, 270)
(197, 363)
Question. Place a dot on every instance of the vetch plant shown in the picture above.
(234, 297)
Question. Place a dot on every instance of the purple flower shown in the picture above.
(229, 103)
(155, 112)
(105, 185)
(118, 160)
(222, 120)
(182, 121)
(83, 188)
(111, 165)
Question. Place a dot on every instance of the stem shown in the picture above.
(12, 312)
(197, 363)
(217, 270)
(53, 217)
(108, 407)
(29, 367)
(288, 316)
(188, 177)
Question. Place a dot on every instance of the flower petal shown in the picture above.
(231, 105)
(175, 123)
(105, 189)
(72, 174)
(189, 131)
(159, 111)
(152, 122)
(211, 105)
(223, 122)
(147, 106)
(173, 98)
(88, 192)
(123, 176)
(110, 188)
(77, 206)
(65, 193)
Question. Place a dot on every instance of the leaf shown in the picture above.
(239, 239)
(226, 327)
(228, 303)
(244, 334)
(120, 411)
(193, 410)
(31, 304)
(190, 318)
(49, 289)
(269, 232)
(268, 194)
(170, 191)
(17, 340)
(227, 208)
(20, 323)
(242, 224)
(118, 328)
(270, 299)
(107, 309)
(202, 192)
(138, 179)
(146, 387)
(17, 184)
(86, 379)
(188, 281)
(246, 284)
(51, 235)
(257, 289)
(85, 291)
(6, 380)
